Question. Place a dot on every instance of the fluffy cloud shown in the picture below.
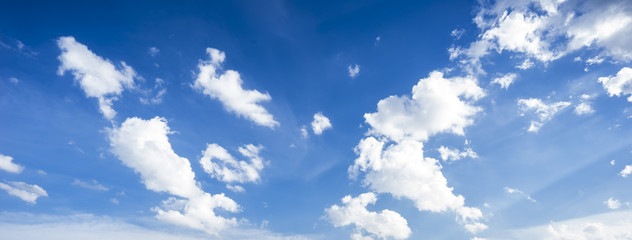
(143, 145)
(453, 154)
(27, 192)
(98, 77)
(227, 88)
(618, 85)
(543, 111)
(402, 167)
(626, 171)
(546, 30)
(354, 70)
(385, 224)
(224, 167)
(612, 203)
(437, 105)
(320, 123)
(153, 51)
(6, 164)
(583, 109)
(505, 81)
(94, 185)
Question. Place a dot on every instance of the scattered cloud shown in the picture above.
(526, 64)
(516, 191)
(437, 105)
(153, 51)
(19, 47)
(618, 85)
(227, 88)
(505, 81)
(97, 76)
(158, 93)
(453, 154)
(14, 80)
(612, 203)
(584, 108)
(6, 164)
(385, 224)
(222, 166)
(549, 30)
(27, 192)
(612, 162)
(320, 123)
(354, 70)
(457, 33)
(143, 145)
(304, 132)
(627, 170)
(544, 112)
(94, 185)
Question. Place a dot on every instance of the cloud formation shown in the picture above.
(505, 81)
(354, 70)
(618, 85)
(320, 123)
(544, 112)
(143, 145)
(98, 77)
(222, 166)
(453, 154)
(27, 192)
(385, 224)
(6, 164)
(227, 88)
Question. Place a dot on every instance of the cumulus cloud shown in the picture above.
(505, 81)
(544, 112)
(98, 77)
(320, 123)
(618, 85)
(385, 224)
(516, 191)
(437, 105)
(227, 88)
(143, 145)
(627, 170)
(548, 30)
(222, 166)
(27, 192)
(453, 154)
(354, 70)
(304, 132)
(583, 109)
(612, 203)
(6, 164)
(94, 185)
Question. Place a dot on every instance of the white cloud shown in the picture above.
(27, 192)
(353, 70)
(611, 225)
(143, 145)
(304, 132)
(14, 80)
(222, 166)
(612, 203)
(153, 51)
(402, 167)
(618, 85)
(97, 76)
(235, 188)
(158, 93)
(505, 80)
(543, 111)
(453, 154)
(612, 162)
(320, 123)
(227, 88)
(549, 29)
(516, 191)
(437, 105)
(94, 185)
(385, 224)
(526, 64)
(583, 108)
(626, 171)
(6, 164)
(457, 33)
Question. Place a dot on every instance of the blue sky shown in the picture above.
(324, 120)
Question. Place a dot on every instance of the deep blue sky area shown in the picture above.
(497, 120)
